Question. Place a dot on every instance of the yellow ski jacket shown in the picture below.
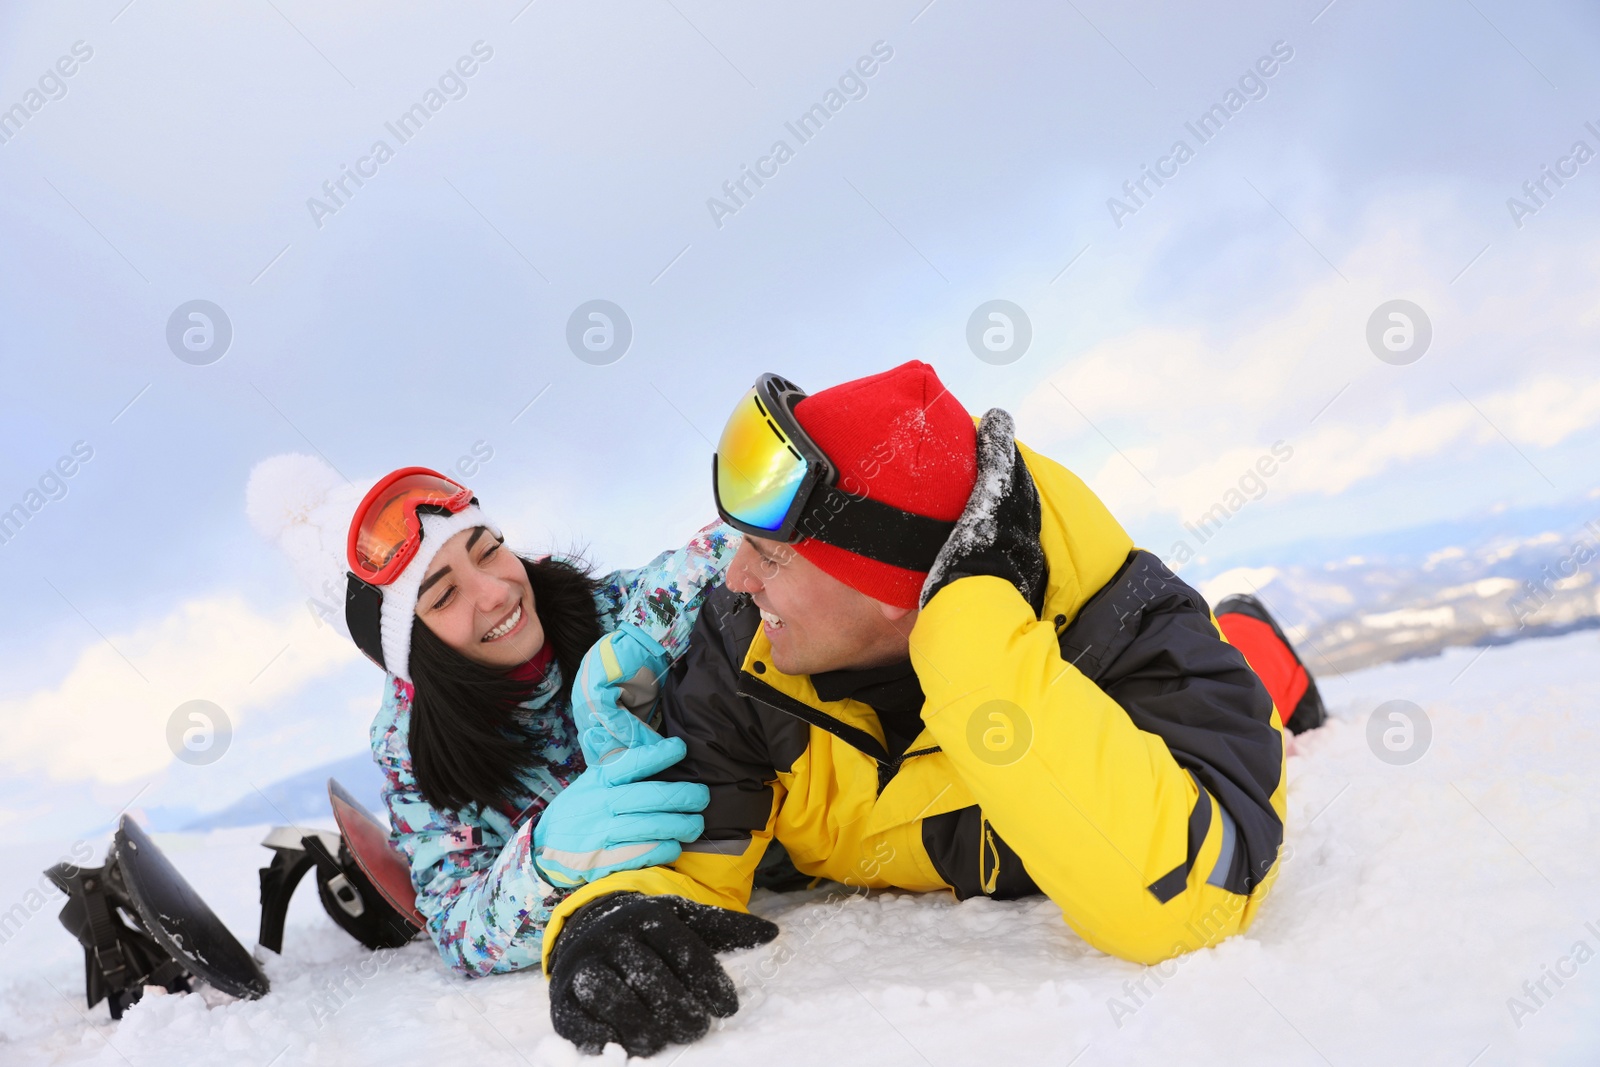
(1114, 753)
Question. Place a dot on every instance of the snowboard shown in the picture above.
(364, 886)
(141, 924)
(179, 921)
(368, 844)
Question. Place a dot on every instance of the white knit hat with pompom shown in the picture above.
(303, 506)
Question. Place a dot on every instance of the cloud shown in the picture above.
(1337, 456)
(1165, 418)
(1546, 411)
(1541, 412)
(106, 722)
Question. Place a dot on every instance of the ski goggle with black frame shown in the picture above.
(385, 534)
(771, 480)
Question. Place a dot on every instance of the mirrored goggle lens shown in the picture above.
(758, 470)
(385, 527)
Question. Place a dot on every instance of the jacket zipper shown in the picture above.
(755, 689)
(887, 771)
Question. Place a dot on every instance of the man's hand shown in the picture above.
(610, 820)
(615, 692)
(998, 532)
(641, 970)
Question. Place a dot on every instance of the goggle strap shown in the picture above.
(873, 529)
(363, 614)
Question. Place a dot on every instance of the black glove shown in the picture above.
(998, 532)
(641, 970)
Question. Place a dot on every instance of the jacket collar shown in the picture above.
(848, 719)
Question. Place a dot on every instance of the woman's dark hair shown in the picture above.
(468, 745)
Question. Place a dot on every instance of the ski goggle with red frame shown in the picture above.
(387, 528)
(771, 480)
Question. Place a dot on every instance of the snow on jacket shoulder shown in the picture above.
(485, 905)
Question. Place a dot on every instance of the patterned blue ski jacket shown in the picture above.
(473, 869)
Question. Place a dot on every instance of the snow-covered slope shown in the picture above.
(1416, 902)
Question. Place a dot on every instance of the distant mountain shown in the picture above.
(301, 797)
(1491, 579)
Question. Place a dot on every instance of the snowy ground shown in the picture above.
(1417, 901)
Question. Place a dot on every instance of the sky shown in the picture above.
(1188, 333)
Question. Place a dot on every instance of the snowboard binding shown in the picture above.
(364, 887)
(141, 924)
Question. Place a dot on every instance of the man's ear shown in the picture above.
(895, 613)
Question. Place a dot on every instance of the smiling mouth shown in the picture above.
(506, 626)
(773, 622)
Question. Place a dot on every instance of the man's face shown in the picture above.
(815, 622)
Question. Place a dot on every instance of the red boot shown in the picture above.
(1251, 629)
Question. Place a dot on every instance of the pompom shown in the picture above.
(287, 491)
(303, 506)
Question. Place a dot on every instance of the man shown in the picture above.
(938, 663)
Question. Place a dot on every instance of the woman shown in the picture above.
(486, 786)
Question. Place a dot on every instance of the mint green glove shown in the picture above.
(614, 693)
(610, 820)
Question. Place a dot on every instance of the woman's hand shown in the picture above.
(614, 694)
(610, 820)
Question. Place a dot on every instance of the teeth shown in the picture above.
(770, 619)
(505, 627)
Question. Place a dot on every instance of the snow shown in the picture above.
(1416, 901)
(978, 525)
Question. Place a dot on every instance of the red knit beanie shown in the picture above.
(902, 438)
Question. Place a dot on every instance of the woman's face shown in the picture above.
(476, 599)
